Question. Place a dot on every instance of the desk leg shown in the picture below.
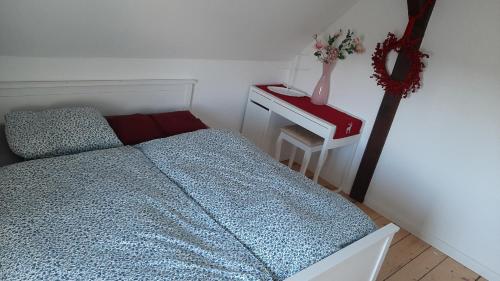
(266, 140)
(277, 149)
(321, 161)
(347, 168)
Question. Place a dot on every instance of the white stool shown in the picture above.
(303, 139)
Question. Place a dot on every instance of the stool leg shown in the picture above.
(321, 162)
(278, 148)
(305, 161)
(292, 157)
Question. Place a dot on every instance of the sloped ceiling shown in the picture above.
(208, 29)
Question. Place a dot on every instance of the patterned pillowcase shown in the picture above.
(60, 131)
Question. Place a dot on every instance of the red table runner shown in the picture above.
(346, 124)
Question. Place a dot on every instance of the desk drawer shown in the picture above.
(260, 99)
(301, 120)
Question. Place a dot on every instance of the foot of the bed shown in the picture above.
(360, 261)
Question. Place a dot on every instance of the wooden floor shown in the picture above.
(410, 258)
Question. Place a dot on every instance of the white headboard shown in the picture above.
(111, 97)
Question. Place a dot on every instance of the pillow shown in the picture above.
(135, 128)
(60, 131)
(178, 122)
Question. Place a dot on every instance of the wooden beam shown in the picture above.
(414, 6)
(389, 106)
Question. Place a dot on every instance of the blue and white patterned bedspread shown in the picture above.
(285, 219)
(110, 215)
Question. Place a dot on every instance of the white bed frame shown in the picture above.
(111, 97)
(360, 261)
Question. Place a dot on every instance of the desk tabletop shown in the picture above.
(347, 125)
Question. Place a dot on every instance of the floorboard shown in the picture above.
(400, 254)
(419, 266)
(450, 270)
(410, 258)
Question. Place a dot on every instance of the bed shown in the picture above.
(110, 215)
(204, 205)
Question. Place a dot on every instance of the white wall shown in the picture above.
(438, 175)
(220, 95)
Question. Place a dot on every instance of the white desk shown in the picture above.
(261, 106)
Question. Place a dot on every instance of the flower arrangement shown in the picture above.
(327, 51)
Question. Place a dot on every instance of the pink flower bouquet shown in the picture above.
(327, 51)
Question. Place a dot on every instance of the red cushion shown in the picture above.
(135, 128)
(178, 122)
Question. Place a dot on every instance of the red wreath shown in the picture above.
(412, 82)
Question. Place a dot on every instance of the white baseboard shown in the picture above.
(439, 244)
